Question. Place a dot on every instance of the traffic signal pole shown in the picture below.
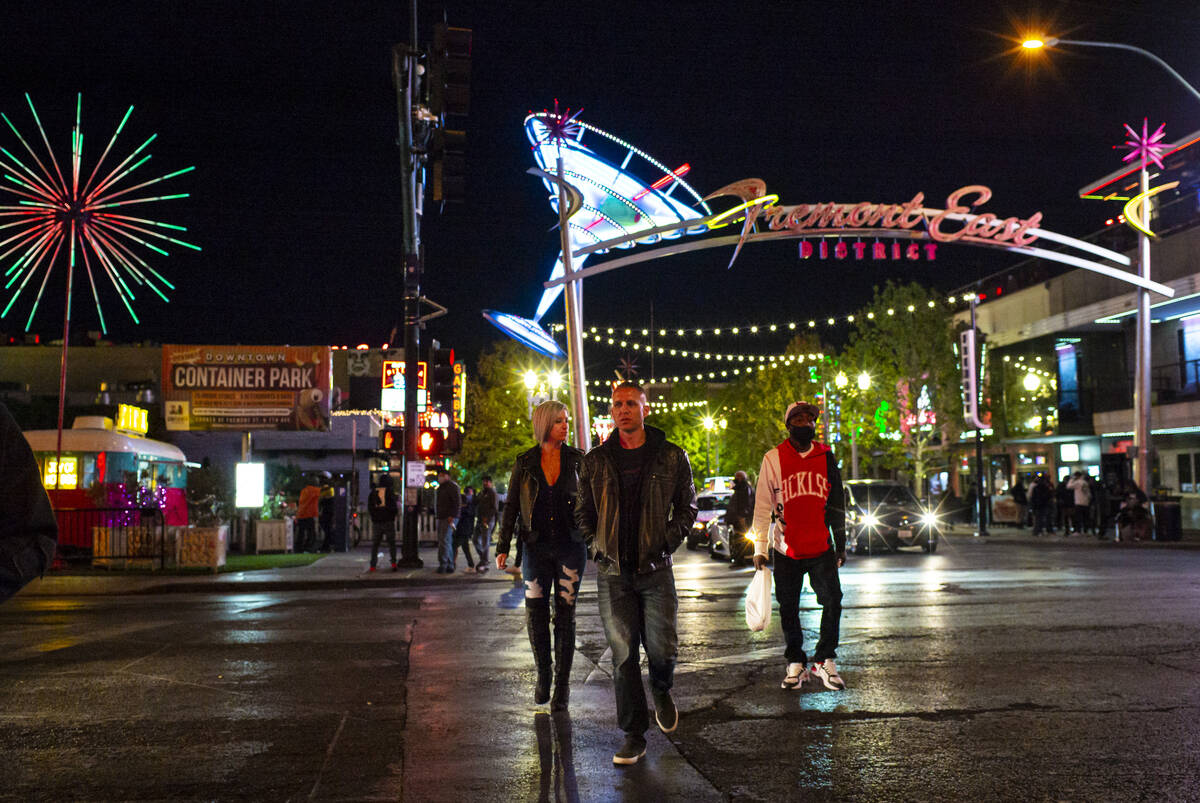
(405, 77)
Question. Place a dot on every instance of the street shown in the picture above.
(1015, 670)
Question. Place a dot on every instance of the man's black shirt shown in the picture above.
(630, 464)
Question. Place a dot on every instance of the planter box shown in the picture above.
(273, 535)
(202, 546)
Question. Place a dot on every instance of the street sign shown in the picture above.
(415, 476)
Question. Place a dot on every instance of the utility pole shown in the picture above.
(406, 78)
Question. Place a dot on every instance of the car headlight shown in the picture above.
(870, 519)
(929, 519)
(698, 525)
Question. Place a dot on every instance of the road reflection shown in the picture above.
(556, 757)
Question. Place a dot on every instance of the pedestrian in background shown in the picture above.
(739, 515)
(541, 512)
(799, 502)
(1041, 495)
(382, 507)
(485, 521)
(1081, 497)
(28, 529)
(306, 518)
(464, 528)
(326, 517)
(1064, 497)
(1021, 500)
(637, 503)
(449, 502)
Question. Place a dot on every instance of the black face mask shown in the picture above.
(802, 435)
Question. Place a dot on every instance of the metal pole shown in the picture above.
(1141, 379)
(573, 299)
(708, 451)
(980, 506)
(404, 75)
(62, 368)
(1116, 46)
(853, 453)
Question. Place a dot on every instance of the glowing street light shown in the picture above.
(864, 381)
(1032, 382)
(840, 381)
(531, 379)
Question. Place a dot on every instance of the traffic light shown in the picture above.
(450, 71)
(441, 364)
(391, 439)
(449, 96)
(430, 443)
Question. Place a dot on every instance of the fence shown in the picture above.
(114, 537)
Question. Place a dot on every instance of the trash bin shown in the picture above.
(1168, 517)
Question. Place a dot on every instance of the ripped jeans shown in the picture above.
(553, 569)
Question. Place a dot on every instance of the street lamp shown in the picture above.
(1032, 382)
(536, 387)
(1141, 385)
(709, 425)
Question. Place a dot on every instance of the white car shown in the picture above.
(711, 504)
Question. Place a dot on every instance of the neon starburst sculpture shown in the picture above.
(67, 217)
(1145, 146)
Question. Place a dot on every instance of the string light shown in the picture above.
(755, 328)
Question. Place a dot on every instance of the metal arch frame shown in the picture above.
(1112, 271)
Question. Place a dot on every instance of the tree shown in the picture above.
(498, 409)
(904, 339)
(755, 403)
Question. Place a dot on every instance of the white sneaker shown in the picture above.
(828, 673)
(795, 678)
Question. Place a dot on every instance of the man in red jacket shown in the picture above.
(799, 501)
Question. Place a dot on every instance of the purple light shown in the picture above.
(1145, 146)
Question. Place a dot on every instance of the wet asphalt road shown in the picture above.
(985, 671)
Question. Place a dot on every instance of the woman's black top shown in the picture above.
(552, 514)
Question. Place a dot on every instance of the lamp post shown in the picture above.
(1141, 384)
(536, 387)
(709, 426)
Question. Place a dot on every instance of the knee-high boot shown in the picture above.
(564, 653)
(537, 622)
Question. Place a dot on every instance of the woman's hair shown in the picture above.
(544, 416)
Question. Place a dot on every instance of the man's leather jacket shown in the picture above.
(523, 488)
(668, 503)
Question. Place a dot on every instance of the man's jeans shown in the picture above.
(823, 577)
(483, 538)
(446, 543)
(639, 608)
(381, 530)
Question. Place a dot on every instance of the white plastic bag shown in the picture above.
(758, 600)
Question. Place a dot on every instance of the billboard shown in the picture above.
(247, 387)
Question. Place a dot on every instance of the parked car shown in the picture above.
(881, 514)
(723, 544)
(711, 504)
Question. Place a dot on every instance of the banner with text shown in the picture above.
(247, 387)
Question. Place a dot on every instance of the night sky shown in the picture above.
(288, 112)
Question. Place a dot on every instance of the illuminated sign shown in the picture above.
(877, 250)
(527, 332)
(67, 479)
(392, 395)
(460, 395)
(132, 419)
(251, 485)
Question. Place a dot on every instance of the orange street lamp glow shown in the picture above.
(1033, 44)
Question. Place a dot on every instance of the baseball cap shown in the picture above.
(797, 406)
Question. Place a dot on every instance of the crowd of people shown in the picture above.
(1080, 504)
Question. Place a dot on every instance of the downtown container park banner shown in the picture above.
(247, 387)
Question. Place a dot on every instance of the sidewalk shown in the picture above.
(1007, 534)
(337, 570)
(348, 570)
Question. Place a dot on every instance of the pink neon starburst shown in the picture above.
(560, 126)
(1145, 146)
